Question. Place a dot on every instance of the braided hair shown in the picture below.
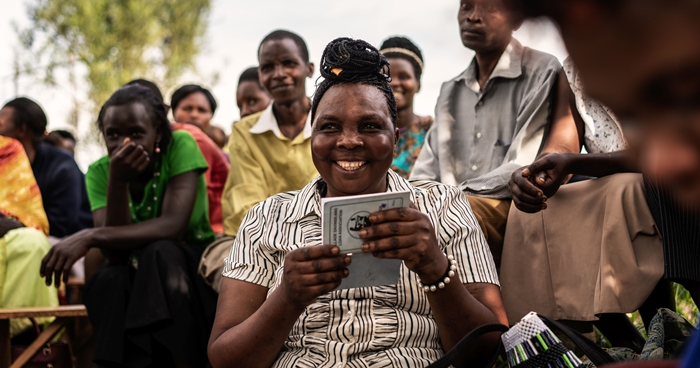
(403, 48)
(156, 110)
(348, 61)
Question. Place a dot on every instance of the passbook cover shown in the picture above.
(343, 218)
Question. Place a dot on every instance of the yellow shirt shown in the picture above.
(263, 163)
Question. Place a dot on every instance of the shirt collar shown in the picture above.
(307, 201)
(509, 66)
(268, 123)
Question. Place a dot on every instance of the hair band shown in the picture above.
(402, 51)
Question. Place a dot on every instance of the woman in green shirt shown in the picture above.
(148, 304)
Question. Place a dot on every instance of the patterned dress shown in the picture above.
(409, 146)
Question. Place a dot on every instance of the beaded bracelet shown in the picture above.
(440, 284)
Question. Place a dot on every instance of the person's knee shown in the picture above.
(31, 243)
(158, 250)
(110, 277)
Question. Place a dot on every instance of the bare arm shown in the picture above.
(171, 224)
(566, 130)
(249, 330)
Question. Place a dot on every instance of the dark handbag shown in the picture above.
(530, 343)
(52, 355)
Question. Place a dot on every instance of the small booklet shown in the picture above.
(343, 218)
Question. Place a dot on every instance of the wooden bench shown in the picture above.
(63, 315)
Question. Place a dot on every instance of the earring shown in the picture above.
(157, 148)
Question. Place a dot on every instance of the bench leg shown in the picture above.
(39, 342)
(5, 343)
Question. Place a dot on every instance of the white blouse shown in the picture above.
(603, 133)
(384, 326)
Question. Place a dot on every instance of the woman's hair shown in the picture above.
(403, 48)
(135, 93)
(281, 34)
(29, 114)
(188, 89)
(250, 75)
(348, 61)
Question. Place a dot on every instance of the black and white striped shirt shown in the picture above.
(385, 326)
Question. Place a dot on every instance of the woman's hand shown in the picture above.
(63, 255)
(128, 162)
(530, 186)
(310, 272)
(406, 234)
(526, 196)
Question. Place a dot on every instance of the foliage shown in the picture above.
(115, 40)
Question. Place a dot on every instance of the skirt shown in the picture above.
(144, 317)
(595, 249)
(679, 226)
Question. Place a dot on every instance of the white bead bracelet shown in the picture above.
(440, 284)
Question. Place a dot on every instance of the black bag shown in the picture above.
(545, 349)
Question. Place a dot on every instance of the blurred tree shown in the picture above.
(114, 40)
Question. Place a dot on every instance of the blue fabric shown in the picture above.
(63, 191)
(691, 352)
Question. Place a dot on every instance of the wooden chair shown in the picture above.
(63, 315)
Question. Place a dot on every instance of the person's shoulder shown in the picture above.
(280, 203)
(247, 122)
(100, 165)
(425, 122)
(55, 154)
(434, 189)
(537, 61)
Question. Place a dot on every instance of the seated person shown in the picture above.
(270, 151)
(150, 207)
(219, 137)
(406, 62)
(61, 182)
(196, 105)
(251, 97)
(278, 306)
(489, 120)
(614, 220)
(215, 176)
(655, 93)
(62, 139)
(23, 237)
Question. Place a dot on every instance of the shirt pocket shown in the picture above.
(498, 153)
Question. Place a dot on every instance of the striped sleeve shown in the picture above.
(248, 259)
(461, 236)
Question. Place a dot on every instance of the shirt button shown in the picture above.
(474, 167)
(478, 135)
(480, 103)
(291, 151)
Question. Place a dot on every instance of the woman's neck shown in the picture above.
(291, 118)
(405, 117)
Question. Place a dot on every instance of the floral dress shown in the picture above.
(410, 143)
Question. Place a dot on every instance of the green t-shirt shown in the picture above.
(181, 156)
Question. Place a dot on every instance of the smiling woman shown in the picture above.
(278, 304)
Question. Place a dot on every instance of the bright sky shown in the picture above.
(236, 28)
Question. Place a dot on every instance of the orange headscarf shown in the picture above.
(20, 197)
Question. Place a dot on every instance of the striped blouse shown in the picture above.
(384, 326)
